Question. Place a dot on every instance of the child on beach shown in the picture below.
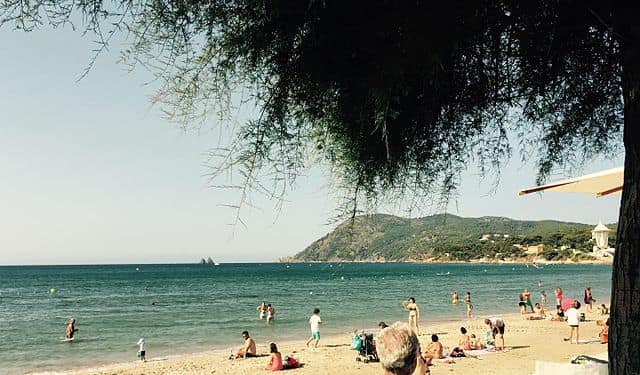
(543, 298)
(314, 324)
(573, 319)
(141, 352)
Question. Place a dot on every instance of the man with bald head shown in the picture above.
(399, 351)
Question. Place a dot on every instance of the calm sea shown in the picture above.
(184, 308)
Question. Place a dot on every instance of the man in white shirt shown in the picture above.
(314, 323)
(573, 319)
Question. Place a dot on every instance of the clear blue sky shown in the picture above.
(91, 173)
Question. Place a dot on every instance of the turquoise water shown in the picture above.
(184, 308)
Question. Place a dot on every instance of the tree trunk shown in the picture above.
(624, 336)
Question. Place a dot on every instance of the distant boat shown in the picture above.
(216, 263)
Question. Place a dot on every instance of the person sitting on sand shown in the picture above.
(248, 349)
(275, 358)
(476, 343)
(434, 350)
(538, 312)
(559, 315)
(399, 351)
(603, 309)
(71, 329)
(464, 341)
(604, 334)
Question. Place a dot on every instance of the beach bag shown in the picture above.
(290, 362)
(356, 343)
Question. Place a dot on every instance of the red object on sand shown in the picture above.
(566, 304)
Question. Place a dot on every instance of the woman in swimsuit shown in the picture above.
(262, 310)
(270, 313)
(454, 297)
(275, 359)
(467, 300)
(414, 313)
(588, 298)
(559, 296)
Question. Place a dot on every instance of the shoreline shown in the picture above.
(443, 327)
(602, 261)
(526, 341)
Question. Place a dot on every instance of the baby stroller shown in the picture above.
(367, 350)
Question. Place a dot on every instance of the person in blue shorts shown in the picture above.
(314, 323)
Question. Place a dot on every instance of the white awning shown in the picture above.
(599, 183)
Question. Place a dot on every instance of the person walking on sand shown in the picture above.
(414, 314)
(573, 320)
(588, 299)
(314, 324)
(497, 328)
(141, 352)
(467, 300)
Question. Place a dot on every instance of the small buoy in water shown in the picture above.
(341, 277)
(310, 292)
(52, 290)
(137, 269)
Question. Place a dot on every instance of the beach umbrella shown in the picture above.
(566, 304)
(600, 183)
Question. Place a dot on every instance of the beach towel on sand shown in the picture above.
(545, 368)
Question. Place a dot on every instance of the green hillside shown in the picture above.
(448, 237)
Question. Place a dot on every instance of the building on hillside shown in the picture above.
(600, 234)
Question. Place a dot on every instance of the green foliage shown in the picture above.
(397, 99)
(447, 237)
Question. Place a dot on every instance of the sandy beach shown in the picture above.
(526, 341)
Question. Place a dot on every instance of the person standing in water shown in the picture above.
(467, 300)
(271, 312)
(71, 329)
(543, 298)
(262, 310)
(454, 297)
(414, 314)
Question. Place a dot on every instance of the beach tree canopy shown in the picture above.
(398, 99)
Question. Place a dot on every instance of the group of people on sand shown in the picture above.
(276, 361)
(400, 353)
(265, 310)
